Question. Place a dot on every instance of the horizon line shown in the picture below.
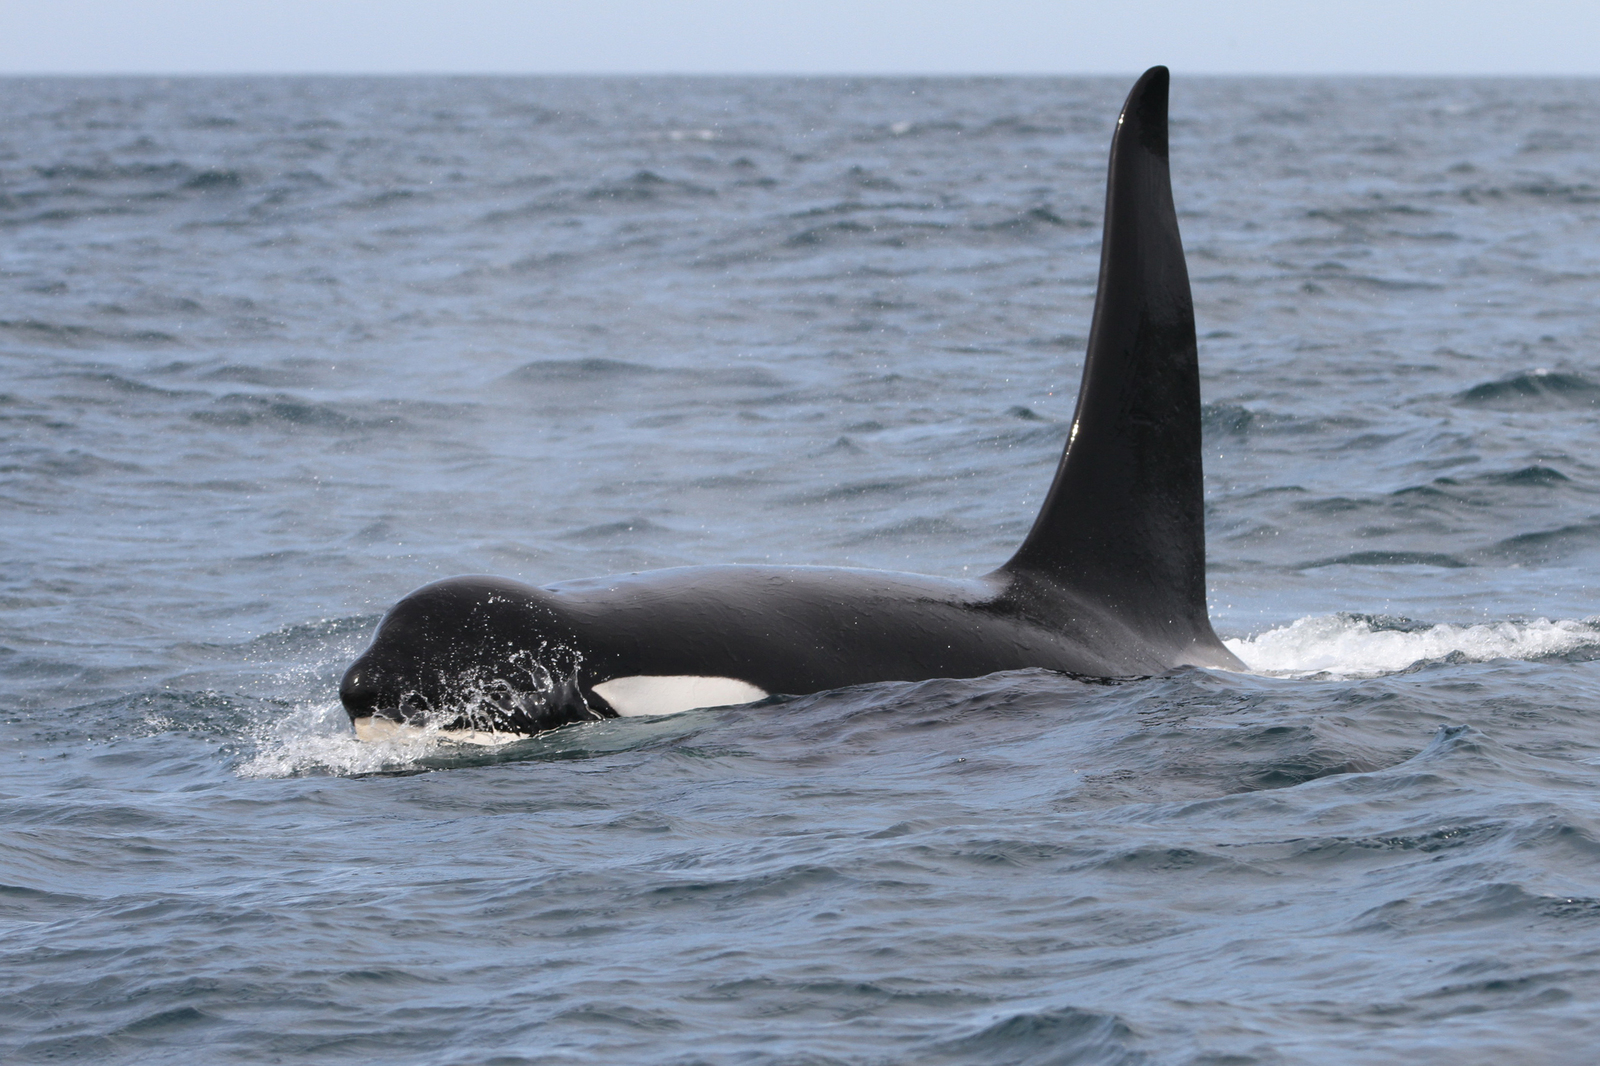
(448, 73)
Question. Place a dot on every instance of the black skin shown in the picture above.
(1110, 582)
(464, 643)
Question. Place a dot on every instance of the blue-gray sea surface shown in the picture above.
(274, 352)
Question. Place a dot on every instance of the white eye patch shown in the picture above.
(645, 694)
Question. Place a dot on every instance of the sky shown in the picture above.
(1549, 37)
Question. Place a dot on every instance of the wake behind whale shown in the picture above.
(1110, 581)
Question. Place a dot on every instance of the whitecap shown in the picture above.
(1359, 646)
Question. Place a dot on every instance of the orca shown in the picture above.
(1110, 581)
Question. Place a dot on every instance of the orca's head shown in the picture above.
(480, 655)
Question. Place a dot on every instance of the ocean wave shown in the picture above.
(69, 334)
(1534, 390)
(284, 410)
(1545, 545)
(890, 232)
(646, 186)
(597, 371)
(1038, 1038)
(1389, 558)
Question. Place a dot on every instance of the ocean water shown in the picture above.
(274, 352)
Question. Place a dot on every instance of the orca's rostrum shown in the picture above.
(1110, 582)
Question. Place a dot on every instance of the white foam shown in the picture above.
(1353, 646)
(317, 738)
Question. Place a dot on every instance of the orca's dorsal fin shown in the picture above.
(1123, 524)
